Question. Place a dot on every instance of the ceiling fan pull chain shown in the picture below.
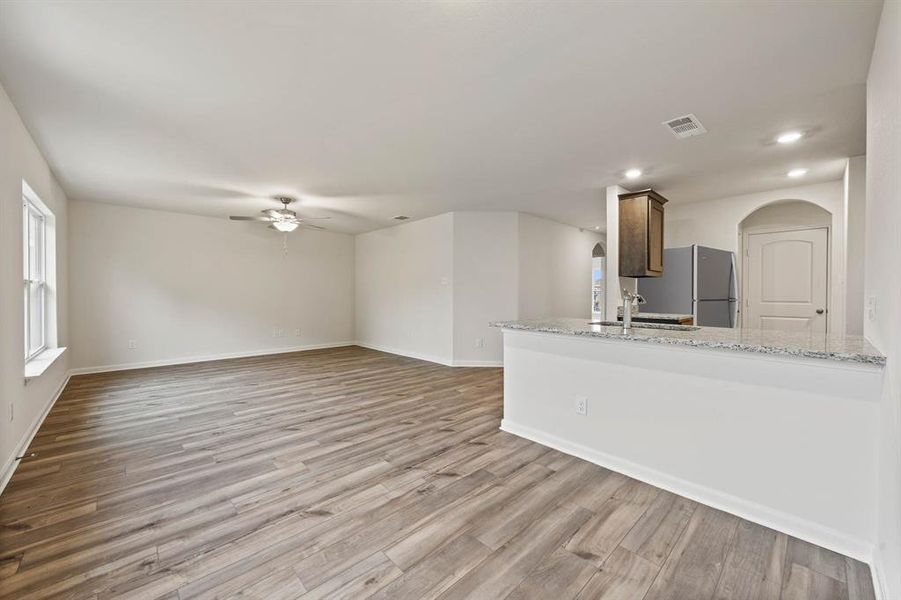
(285, 244)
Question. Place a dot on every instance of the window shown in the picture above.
(35, 267)
(39, 273)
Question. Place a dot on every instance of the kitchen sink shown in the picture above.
(647, 325)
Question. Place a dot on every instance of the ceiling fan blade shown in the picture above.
(311, 226)
(312, 218)
(263, 219)
(272, 212)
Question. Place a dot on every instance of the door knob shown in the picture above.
(820, 311)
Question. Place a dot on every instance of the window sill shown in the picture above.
(40, 363)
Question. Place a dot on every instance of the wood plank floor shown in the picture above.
(350, 473)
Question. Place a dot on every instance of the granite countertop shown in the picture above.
(847, 348)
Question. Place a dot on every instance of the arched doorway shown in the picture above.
(785, 267)
(598, 282)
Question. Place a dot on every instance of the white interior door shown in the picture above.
(788, 280)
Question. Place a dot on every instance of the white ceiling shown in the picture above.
(371, 109)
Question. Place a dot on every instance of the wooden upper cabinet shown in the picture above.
(641, 234)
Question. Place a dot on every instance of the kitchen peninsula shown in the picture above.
(757, 423)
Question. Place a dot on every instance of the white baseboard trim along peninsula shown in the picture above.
(780, 521)
(751, 511)
(9, 467)
(186, 360)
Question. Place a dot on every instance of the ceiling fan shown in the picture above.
(282, 219)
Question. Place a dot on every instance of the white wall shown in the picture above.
(883, 278)
(715, 223)
(184, 287)
(787, 214)
(615, 290)
(855, 188)
(20, 160)
(485, 282)
(554, 268)
(189, 287)
(429, 288)
(404, 289)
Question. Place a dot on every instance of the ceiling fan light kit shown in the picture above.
(283, 219)
(285, 226)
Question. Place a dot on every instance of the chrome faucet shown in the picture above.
(630, 299)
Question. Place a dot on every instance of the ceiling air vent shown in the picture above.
(686, 126)
(401, 218)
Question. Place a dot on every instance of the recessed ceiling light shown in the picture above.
(789, 137)
(597, 227)
(633, 173)
(797, 173)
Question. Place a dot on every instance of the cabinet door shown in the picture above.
(633, 241)
(655, 237)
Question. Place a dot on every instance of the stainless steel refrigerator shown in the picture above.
(696, 280)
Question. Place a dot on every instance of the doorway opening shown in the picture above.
(785, 267)
(598, 283)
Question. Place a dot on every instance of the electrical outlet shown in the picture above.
(871, 308)
(12, 411)
(581, 405)
(132, 344)
(480, 343)
(297, 332)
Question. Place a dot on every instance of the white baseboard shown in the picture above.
(207, 358)
(9, 467)
(431, 357)
(877, 571)
(478, 363)
(751, 511)
(419, 356)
